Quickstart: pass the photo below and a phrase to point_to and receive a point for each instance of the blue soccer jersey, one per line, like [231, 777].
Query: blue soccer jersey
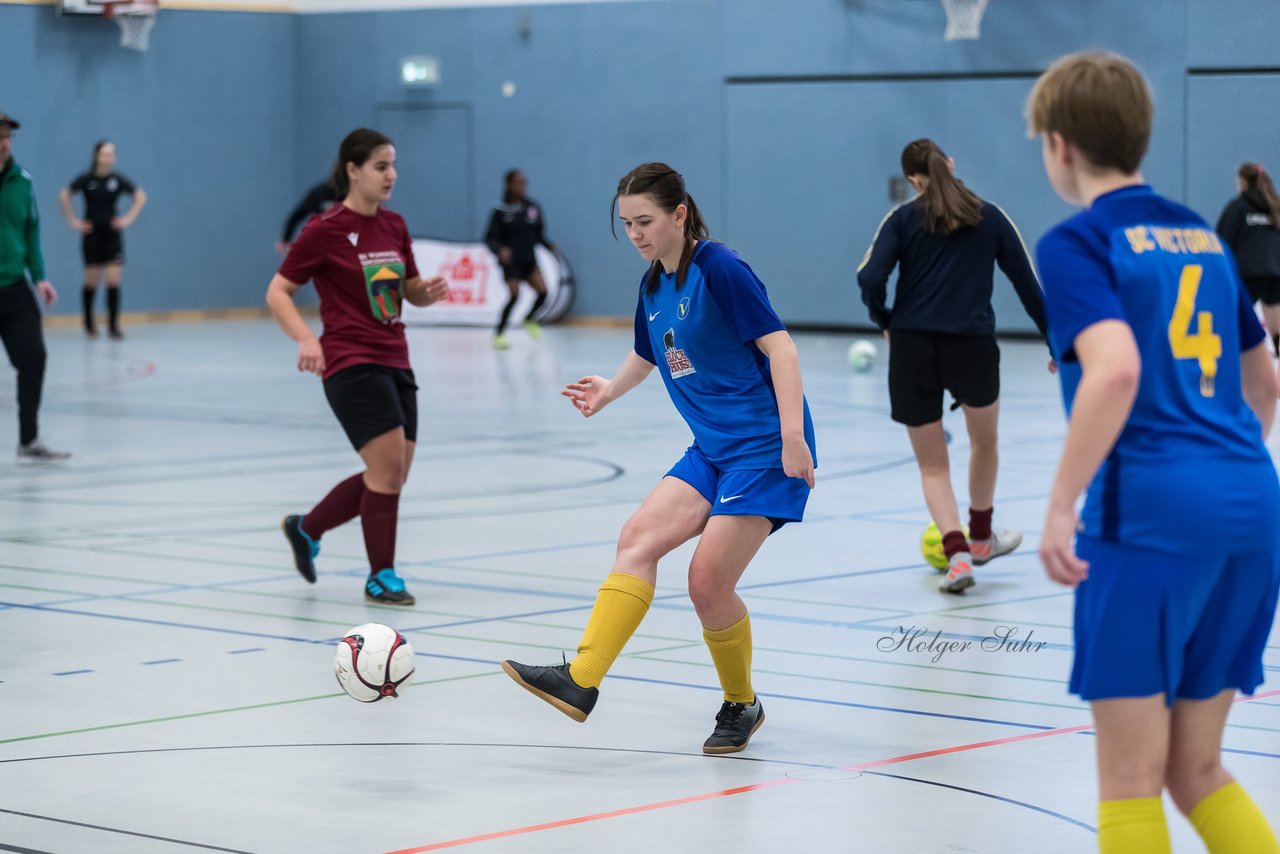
[701, 338]
[1158, 267]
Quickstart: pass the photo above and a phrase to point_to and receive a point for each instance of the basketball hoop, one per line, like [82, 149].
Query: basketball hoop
[964, 19]
[135, 20]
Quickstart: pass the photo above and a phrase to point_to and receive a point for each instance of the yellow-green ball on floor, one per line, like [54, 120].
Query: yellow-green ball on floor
[931, 547]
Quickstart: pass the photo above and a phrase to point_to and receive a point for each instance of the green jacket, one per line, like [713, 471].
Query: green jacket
[19, 227]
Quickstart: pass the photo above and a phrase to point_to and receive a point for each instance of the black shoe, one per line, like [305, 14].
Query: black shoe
[304, 548]
[735, 724]
[556, 686]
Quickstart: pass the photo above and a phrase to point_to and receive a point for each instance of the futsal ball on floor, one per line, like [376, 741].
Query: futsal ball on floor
[373, 661]
[862, 355]
[931, 546]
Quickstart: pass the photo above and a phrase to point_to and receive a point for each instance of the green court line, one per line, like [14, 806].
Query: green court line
[989, 604]
[1008, 620]
[827, 603]
[37, 589]
[18, 568]
[209, 712]
[891, 663]
[754, 670]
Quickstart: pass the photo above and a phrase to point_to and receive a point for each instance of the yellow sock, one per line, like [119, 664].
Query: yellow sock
[1132, 826]
[731, 654]
[1230, 822]
[621, 605]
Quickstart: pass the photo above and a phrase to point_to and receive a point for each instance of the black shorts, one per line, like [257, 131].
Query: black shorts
[370, 400]
[518, 270]
[1263, 289]
[924, 364]
[103, 245]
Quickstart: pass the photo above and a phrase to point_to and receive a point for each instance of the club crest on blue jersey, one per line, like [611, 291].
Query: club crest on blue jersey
[682, 310]
[677, 362]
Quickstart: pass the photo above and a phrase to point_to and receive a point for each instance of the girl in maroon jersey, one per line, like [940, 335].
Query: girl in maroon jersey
[360, 257]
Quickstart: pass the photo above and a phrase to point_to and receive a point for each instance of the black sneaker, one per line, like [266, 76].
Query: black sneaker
[304, 548]
[556, 686]
[735, 724]
[387, 588]
[37, 453]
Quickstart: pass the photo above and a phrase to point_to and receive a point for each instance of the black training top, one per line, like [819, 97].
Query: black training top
[318, 199]
[1255, 242]
[945, 280]
[100, 195]
[519, 227]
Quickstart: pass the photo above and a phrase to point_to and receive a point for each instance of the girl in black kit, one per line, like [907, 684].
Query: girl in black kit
[515, 228]
[945, 243]
[1250, 225]
[103, 245]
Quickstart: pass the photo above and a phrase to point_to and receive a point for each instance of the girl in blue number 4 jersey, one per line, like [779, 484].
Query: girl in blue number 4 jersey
[1169, 392]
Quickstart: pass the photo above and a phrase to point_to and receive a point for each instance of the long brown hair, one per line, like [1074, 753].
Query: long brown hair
[948, 203]
[357, 148]
[97, 147]
[1259, 190]
[507, 196]
[665, 186]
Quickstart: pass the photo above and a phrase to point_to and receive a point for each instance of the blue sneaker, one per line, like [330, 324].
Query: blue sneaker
[304, 548]
[386, 587]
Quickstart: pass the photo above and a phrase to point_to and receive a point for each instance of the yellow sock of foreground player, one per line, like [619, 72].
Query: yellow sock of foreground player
[620, 606]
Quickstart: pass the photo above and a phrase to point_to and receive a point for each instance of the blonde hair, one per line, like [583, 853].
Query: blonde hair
[1100, 104]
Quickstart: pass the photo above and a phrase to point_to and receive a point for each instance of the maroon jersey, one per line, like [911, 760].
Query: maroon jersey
[359, 264]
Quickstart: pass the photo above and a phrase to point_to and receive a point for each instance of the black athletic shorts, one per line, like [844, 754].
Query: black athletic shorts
[103, 245]
[1263, 289]
[370, 400]
[519, 270]
[922, 365]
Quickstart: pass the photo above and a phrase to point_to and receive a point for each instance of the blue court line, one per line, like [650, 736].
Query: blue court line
[163, 661]
[1222, 749]
[994, 797]
[72, 672]
[243, 651]
[620, 677]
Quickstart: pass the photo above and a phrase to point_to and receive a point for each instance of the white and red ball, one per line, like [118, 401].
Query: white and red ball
[373, 661]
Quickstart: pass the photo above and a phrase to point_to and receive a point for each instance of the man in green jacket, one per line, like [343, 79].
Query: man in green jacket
[20, 327]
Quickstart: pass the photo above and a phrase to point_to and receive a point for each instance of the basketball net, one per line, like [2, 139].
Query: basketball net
[964, 19]
[135, 20]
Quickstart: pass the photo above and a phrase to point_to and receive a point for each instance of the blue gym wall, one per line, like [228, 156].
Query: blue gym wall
[786, 119]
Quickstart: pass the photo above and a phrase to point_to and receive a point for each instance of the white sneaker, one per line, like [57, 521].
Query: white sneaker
[959, 577]
[1000, 543]
[36, 453]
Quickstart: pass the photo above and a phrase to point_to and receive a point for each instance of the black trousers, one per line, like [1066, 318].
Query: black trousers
[24, 342]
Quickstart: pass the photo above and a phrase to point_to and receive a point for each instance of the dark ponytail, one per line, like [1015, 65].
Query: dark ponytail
[357, 148]
[665, 186]
[1260, 191]
[948, 203]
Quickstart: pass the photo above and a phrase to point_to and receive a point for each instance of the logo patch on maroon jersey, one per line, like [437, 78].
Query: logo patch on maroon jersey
[384, 281]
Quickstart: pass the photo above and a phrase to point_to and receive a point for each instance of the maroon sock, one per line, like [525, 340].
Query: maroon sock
[980, 524]
[953, 542]
[378, 514]
[340, 506]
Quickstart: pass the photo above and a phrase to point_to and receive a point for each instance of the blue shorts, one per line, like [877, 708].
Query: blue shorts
[751, 492]
[1189, 627]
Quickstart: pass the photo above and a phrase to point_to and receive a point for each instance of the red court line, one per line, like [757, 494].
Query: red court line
[551, 825]
[724, 793]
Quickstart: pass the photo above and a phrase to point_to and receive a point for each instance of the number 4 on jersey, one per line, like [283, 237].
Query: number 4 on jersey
[1204, 346]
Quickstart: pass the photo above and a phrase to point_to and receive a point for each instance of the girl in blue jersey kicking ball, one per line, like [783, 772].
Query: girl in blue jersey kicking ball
[1169, 392]
[704, 319]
